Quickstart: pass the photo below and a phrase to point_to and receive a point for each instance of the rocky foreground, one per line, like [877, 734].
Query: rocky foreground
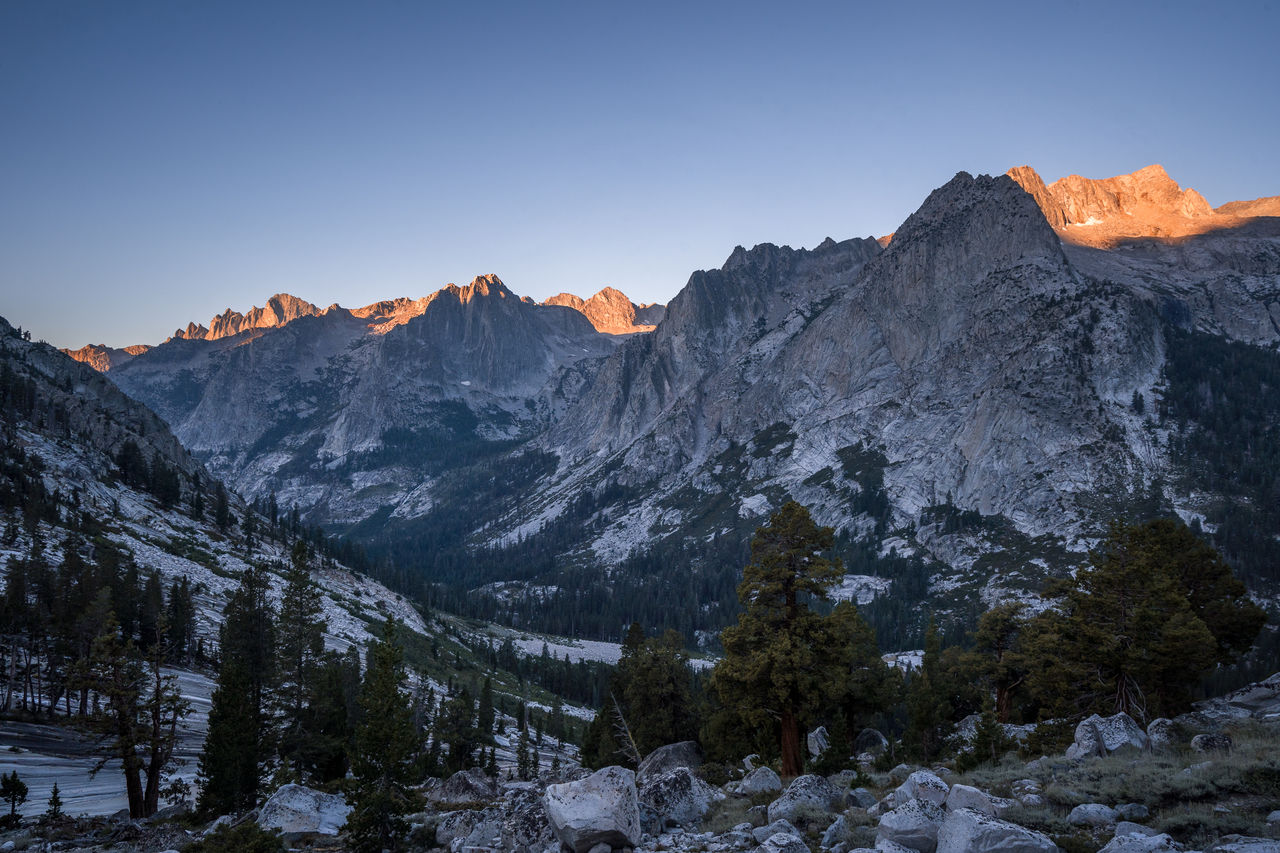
[1208, 780]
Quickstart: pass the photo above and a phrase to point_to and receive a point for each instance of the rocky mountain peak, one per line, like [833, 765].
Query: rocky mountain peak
[1102, 212]
[611, 311]
[102, 357]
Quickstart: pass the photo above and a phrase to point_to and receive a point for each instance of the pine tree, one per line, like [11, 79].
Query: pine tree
[14, 792]
[300, 631]
[54, 811]
[236, 745]
[782, 660]
[485, 712]
[928, 709]
[386, 745]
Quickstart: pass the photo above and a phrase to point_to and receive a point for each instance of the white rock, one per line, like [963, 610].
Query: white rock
[1245, 844]
[922, 785]
[1141, 844]
[669, 757]
[1092, 814]
[805, 795]
[1097, 736]
[784, 842]
[913, 824]
[762, 780]
[969, 797]
[818, 741]
[602, 808]
[678, 797]
[763, 832]
[295, 809]
[970, 831]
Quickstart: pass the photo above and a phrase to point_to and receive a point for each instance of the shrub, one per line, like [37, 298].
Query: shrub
[246, 838]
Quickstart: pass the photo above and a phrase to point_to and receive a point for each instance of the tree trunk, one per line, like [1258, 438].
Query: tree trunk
[792, 765]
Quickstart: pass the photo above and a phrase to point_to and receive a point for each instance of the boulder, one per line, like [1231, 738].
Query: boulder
[524, 820]
[913, 825]
[969, 831]
[899, 774]
[1220, 742]
[1245, 844]
[457, 825]
[299, 811]
[669, 757]
[758, 815]
[870, 740]
[842, 780]
[922, 785]
[603, 808]
[1162, 733]
[818, 741]
[1092, 815]
[762, 780]
[1128, 827]
[804, 799]
[1097, 736]
[1132, 811]
[1142, 844]
[838, 832]
[969, 797]
[1031, 801]
[761, 833]
[465, 787]
[678, 798]
[862, 798]
[784, 842]
[1273, 819]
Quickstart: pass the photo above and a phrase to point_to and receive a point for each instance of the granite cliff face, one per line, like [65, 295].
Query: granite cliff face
[332, 410]
[981, 393]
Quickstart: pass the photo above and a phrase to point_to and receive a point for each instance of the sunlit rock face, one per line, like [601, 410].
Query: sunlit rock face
[102, 358]
[610, 311]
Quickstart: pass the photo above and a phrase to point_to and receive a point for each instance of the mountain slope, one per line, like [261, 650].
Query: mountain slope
[343, 411]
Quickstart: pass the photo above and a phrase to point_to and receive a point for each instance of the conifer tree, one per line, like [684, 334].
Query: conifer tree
[386, 745]
[782, 660]
[485, 712]
[237, 744]
[928, 709]
[14, 792]
[54, 811]
[300, 629]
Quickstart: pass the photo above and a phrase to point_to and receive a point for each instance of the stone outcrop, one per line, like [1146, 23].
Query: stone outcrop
[677, 797]
[762, 780]
[805, 798]
[913, 824]
[1097, 736]
[603, 808]
[298, 811]
[968, 831]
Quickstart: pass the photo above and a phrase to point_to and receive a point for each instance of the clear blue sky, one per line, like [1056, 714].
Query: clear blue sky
[160, 161]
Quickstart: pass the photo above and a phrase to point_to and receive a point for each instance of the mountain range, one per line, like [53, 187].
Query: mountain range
[969, 402]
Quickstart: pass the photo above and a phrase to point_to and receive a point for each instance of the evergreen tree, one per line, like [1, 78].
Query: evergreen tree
[229, 763]
[783, 661]
[300, 631]
[54, 811]
[928, 710]
[456, 729]
[485, 712]
[237, 745]
[14, 792]
[1153, 612]
[386, 745]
